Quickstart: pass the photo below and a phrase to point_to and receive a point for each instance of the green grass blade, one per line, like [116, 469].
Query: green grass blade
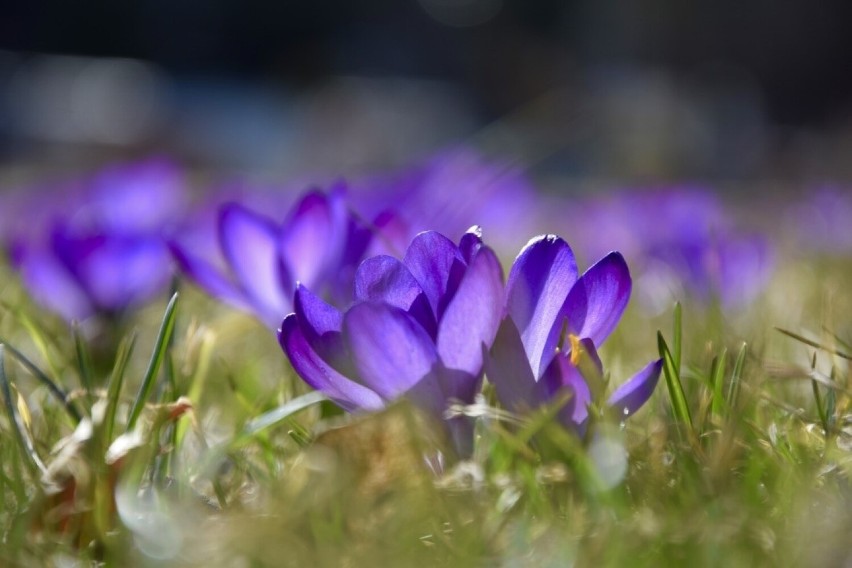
[283, 412]
[84, 363]
[678, 334]
[116, 381]
[831, 403]
[157, 356]
[54, 389]
[41, 341]
[736, 377]
[20, 431]
[818, 398]
[672, 375]
[837, 338]
[820, 408]
[717, 380]
[815, 344]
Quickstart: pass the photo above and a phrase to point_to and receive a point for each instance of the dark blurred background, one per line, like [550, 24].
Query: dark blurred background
[646, 90]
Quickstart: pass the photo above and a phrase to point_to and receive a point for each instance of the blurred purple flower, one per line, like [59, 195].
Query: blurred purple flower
[319, 245]
[681, 239]
[547, 302]
[97, 246]
[417, 327]
[822, 220]
[452, 190]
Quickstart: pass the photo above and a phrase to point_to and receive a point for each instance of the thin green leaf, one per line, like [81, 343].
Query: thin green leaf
[831, 403]
[84, 362]
[717, 380]
[672, 375]
[837, 338]
[820, 408]
[116, 381]
[281, 413]
[816, 344]
[678, 334]
[196, 380]
[41, 377]
[18, 427]
[157, 356]
[817, 398]
[545, 415]
[38, 336]
[736, 377]
[825, 381]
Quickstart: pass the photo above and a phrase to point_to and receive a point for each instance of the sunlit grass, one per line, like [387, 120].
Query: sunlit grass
[742, 457]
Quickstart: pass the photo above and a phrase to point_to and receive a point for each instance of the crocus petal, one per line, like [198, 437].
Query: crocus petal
[473, 315]
[115, 271]
[590, 353]
[538, 284]
[598, 299]
[560, 376]
[139, 196]
[250, 245]
[322, 326]
[124, 272]
[470, 243]
[310, 238]
[629, 397]
[437, 391]
[386, 279]
[390, 350]
[50, 282]
[348, 394]
[341, 277]
[436, 263]
[391, 235]
[205, 275]
[509, 371]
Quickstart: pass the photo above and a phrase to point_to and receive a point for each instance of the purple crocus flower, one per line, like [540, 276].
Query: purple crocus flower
[318, 245]
[547, 303]
[417, 327]
[103, 250]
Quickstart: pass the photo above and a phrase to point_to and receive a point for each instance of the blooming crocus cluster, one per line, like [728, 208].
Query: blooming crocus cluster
[97, 246]
[319, 245]
[683, 242]
[427, 326]
[417, 327]
[555, 319]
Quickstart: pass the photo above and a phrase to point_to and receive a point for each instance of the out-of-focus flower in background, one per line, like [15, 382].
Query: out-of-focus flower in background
[418, 328]
[96, 245]
[456, 188]
[822, 221]
[319, 244]
[681, 241]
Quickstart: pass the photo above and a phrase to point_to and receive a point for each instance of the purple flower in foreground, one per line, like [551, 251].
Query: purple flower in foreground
[547, 302]
[318, 245]
[418, 327]
[100, 251]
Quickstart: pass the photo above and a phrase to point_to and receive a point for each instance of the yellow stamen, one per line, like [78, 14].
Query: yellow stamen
[576, 348]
